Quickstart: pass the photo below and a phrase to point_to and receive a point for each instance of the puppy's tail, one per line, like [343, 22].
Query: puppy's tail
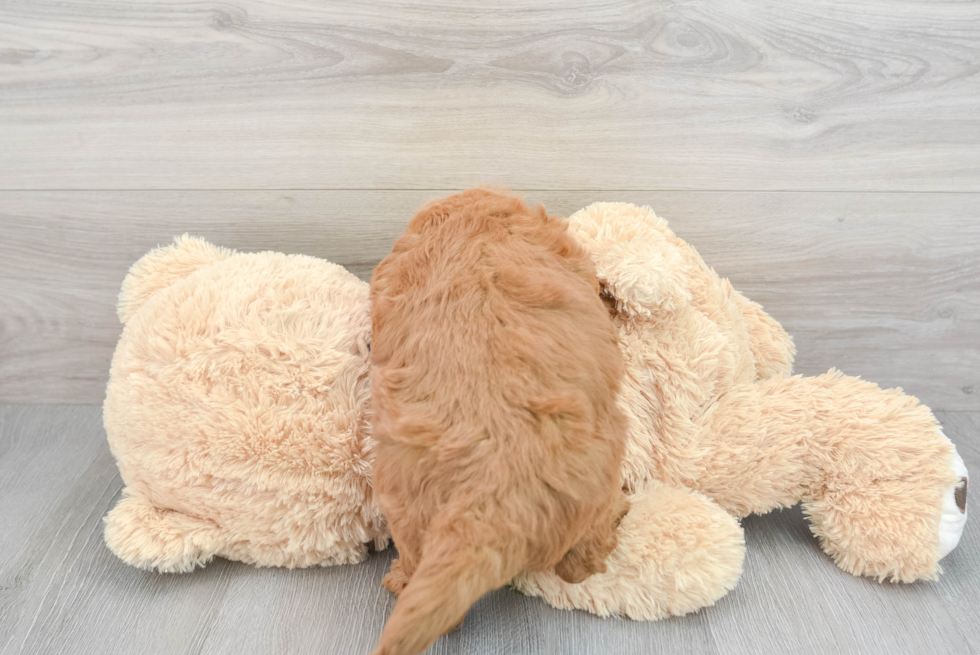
[461, 561]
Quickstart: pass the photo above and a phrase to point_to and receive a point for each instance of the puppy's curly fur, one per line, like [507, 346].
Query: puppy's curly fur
[495, 377]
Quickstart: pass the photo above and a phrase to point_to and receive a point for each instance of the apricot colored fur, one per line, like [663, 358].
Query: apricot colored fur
[496, 369]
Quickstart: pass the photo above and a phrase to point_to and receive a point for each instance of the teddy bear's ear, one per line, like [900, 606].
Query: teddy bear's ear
[636, 259]
[162, 267]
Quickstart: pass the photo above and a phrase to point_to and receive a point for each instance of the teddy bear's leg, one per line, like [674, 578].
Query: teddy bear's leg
[677, 552]
[871, 466]
[149, 537]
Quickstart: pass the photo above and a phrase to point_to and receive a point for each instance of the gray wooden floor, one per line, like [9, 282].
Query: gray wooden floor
[823, 154]
[62, 591]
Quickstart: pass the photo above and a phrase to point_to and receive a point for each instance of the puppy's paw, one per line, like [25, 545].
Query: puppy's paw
[396, 579]
[580, 563]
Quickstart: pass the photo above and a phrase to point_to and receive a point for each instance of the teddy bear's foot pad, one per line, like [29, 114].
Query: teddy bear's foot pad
[954, 508]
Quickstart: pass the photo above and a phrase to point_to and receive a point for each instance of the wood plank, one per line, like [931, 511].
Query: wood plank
[563, 631]
[717, 94]
[886, 286]
[46, 456]
[62, 591]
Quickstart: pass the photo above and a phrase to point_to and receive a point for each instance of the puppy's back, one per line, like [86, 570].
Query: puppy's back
[495, 385]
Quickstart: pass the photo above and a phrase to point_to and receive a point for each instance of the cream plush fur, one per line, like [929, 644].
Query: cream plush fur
[713, 410]
[238, 412]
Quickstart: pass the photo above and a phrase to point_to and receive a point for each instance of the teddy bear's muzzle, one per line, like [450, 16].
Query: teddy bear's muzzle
[954, 508]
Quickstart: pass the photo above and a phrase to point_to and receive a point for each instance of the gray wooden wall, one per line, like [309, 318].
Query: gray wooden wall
[823, 155]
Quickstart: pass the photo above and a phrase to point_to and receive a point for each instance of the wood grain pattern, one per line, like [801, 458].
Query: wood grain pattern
[886, 286]
[764, 132]
[62, 591]
[723, 94]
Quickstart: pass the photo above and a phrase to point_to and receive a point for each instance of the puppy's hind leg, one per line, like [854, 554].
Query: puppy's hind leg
[408, 539]
[397, 578]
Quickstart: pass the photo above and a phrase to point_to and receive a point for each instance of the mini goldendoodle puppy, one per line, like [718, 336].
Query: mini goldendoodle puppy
[496, 371]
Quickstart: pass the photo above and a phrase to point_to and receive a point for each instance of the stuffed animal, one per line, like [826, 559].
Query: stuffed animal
[714, 414]
[238, 411]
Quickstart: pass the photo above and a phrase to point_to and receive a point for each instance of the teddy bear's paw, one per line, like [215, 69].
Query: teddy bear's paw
[146, 536]
[954, 508]
[678, 552]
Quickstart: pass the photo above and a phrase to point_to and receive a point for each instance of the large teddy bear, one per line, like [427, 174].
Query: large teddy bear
[238, 410]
